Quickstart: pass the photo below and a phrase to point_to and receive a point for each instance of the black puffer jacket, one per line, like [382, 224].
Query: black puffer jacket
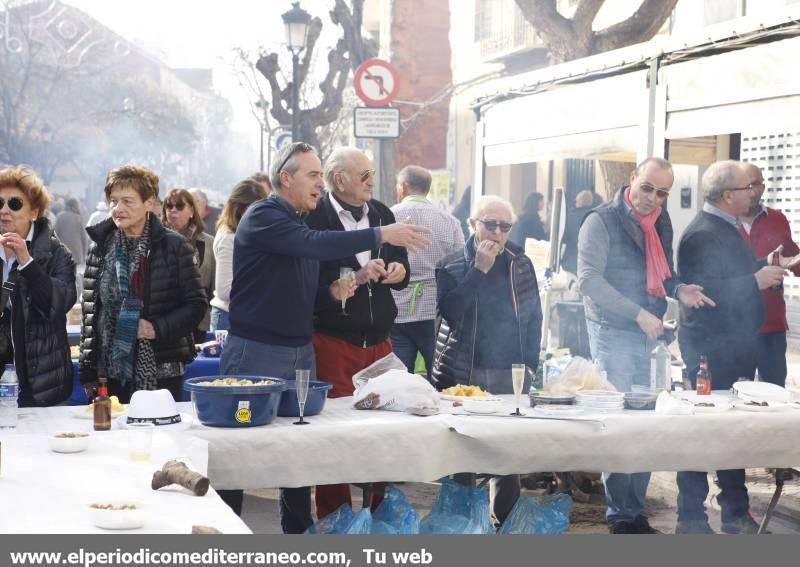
[174, 299]
[45, 292]
[456, 331]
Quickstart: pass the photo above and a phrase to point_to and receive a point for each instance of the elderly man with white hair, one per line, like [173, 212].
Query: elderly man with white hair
[713, 254]
[490, 318]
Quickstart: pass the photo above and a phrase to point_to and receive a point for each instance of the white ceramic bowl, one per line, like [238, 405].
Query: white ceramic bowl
[68, 441]
[482, 405]
[117, 517]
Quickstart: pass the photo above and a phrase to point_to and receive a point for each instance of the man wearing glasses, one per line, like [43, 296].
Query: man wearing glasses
[625, 273]
[489, 318]
[713, 253]
[276, 286]
[765, 229]
[350, 338]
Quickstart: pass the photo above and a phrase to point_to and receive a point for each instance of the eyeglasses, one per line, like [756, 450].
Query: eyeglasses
[180, 206]
[366, 174]
[14, 203]
[647, 188]
[748, 188]
[301, 147]
[492, 226]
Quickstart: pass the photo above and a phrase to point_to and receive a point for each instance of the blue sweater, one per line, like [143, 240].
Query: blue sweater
[276, 271]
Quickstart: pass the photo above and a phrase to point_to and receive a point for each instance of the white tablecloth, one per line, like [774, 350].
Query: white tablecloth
[46, 492]
[347, 445]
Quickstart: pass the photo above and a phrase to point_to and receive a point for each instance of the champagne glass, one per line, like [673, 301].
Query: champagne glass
[517, 381]
[345, 275]
[301, 378]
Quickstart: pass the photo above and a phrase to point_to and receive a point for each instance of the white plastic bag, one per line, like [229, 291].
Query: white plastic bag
[377, 368]
[397, 390]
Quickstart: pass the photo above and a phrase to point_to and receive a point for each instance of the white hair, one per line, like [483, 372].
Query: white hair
[338, 162]
[486, 201]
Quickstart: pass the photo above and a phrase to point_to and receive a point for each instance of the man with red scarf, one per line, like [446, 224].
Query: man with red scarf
[625, 273]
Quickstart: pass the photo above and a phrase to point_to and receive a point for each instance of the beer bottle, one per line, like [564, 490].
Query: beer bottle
[102, 407]
[703, 380]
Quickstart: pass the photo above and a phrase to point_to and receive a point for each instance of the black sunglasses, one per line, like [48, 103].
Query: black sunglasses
[179, 206]
[298, 147]
[491, 225]
[14, 203]
[647, 188]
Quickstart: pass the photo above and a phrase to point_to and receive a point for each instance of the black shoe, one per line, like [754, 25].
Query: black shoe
[623, 528]
[741, 525]
[694, 527]
[643, 526]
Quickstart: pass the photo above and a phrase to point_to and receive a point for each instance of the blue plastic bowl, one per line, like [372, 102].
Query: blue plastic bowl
[235, 406]
[315, 401]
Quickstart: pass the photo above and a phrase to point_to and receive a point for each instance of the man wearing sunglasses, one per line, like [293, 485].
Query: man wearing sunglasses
[490, 317]
[275, 286]
[625, 273]
[713, 253]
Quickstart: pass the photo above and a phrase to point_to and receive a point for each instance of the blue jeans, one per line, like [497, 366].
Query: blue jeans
[410, 338]
[625, 357]
[248, 357]
[219, 320]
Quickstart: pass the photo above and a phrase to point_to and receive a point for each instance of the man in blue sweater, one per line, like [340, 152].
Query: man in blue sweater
[275, 286]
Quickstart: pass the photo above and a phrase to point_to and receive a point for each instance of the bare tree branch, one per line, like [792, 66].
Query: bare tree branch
[585, 13]
[641, 26]
[572, 38]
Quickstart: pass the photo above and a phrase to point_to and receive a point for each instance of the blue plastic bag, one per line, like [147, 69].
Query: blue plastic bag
[396, 513]
[459, 509]
[343, 521]
[544, 515]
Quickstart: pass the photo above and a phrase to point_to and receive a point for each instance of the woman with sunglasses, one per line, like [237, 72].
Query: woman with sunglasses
[142, 296]
[38, 290]
[180, 213]
[243, 195]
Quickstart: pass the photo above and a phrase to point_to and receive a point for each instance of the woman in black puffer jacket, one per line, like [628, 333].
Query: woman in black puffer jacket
[142, 295]
[39, 289]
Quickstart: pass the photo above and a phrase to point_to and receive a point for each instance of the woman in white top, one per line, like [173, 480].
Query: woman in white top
[243, 195]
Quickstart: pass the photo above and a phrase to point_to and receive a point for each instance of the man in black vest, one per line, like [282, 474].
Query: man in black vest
[713, 253]
[625, 274]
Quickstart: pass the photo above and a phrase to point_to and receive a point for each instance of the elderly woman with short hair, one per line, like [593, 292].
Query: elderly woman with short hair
[142, 296]
[38, 290]
[181, 213]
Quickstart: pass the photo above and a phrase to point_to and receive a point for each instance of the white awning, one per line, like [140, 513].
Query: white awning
[574, 121]
[754, 88]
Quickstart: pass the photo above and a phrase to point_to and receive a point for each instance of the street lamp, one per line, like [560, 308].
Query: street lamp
[263, 106]
[296, 22]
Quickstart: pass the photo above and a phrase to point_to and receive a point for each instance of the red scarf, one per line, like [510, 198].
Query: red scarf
[657, 267]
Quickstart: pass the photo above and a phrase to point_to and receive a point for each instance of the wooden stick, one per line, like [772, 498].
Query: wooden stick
[176, 472]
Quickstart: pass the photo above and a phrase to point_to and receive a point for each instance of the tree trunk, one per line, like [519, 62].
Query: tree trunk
[572, 38]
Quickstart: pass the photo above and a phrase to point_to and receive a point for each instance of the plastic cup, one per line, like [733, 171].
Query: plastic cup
[221, 337]
[140, 441]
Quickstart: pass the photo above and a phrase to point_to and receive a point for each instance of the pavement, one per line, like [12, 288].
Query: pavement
[260, 510]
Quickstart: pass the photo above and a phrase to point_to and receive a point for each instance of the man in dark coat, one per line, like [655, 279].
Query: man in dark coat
[490, 318]
[713, 254]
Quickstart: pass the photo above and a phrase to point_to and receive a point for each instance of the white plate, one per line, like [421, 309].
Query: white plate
[721, 402]
[773, 406]
[463, 398]
[81, 413]
[553, 410]
[762, 391]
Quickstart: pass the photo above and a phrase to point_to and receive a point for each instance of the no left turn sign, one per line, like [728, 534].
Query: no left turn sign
[376, 82]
